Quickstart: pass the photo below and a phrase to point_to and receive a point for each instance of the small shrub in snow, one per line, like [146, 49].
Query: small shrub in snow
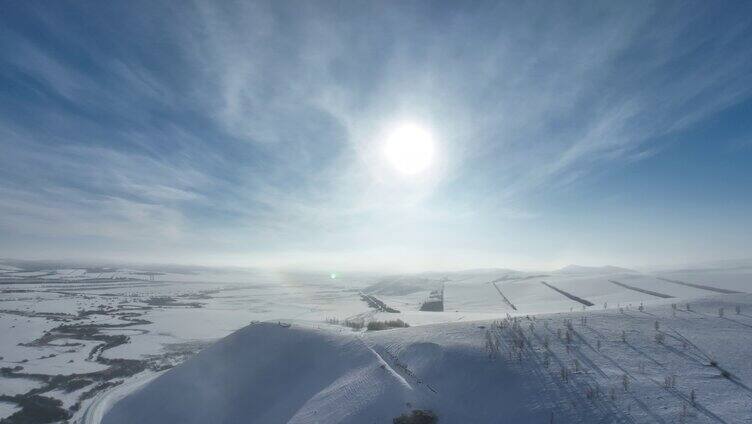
[669, 381]
[417, 416]
[592, 392]
[492, 345]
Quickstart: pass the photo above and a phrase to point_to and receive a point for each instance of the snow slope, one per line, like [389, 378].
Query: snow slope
[266, 373]
[313, 372]
[638, 365]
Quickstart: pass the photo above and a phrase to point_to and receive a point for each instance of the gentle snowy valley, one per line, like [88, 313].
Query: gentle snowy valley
[579, 344]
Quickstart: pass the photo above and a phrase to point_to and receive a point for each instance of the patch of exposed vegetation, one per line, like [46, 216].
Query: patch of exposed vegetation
[169, 301]
[417, 416]
[386, 325]
[35, 409]
[354, 324]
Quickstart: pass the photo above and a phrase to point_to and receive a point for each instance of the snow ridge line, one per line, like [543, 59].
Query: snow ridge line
[397, 367]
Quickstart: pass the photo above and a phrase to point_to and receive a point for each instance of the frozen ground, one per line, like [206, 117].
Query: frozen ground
[77, 340]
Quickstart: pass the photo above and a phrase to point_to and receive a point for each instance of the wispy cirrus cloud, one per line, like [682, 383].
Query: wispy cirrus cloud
[254, 126]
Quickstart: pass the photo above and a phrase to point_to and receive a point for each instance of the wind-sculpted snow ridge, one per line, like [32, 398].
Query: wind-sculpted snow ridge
[268, 373]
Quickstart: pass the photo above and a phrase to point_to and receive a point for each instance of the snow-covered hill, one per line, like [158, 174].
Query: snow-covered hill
[479, 360]
[683, 363]
[267, 373]
[593, 270]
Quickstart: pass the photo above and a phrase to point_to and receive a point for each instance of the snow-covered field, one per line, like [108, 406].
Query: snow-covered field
[589, 345]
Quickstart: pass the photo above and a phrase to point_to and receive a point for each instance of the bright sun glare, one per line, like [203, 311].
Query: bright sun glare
[409, 149]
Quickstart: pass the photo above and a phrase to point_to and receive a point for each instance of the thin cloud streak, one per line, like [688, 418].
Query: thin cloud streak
[252, 128]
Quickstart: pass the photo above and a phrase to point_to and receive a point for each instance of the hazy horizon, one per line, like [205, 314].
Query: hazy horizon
[354, 271]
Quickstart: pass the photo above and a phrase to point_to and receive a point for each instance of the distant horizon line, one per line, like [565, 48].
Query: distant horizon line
[178, 267]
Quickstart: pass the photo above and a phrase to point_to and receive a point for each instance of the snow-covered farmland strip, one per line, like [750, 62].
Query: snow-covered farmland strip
[569, 295]
[650, 292]
[699, 286]
[508, 302]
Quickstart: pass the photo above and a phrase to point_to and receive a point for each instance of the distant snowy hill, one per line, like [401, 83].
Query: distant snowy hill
[593, 270]
[411, 283]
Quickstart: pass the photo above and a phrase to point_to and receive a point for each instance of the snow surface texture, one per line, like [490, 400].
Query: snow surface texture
[466, 363]
[616, 371]
[267, 373]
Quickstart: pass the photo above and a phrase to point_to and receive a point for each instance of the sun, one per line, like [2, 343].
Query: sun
[409, 149]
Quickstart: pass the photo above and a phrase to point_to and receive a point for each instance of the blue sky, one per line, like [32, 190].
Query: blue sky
[250, 133]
